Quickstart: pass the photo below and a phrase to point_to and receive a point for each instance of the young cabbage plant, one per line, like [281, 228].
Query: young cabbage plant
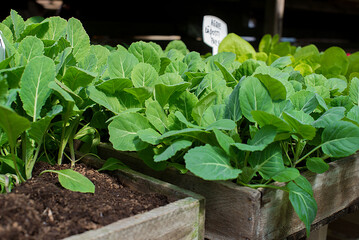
[47, 66]
[255, 122]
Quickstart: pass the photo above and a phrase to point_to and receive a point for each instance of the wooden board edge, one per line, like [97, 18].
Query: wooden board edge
[174, 221]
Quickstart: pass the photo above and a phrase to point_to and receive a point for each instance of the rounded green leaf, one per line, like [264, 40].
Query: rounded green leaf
[340, 139]
[210, 163]
[254, 96]
[288, 174]
[123, 131]
[172, 149]
[317, 165]
[145, 53]
[144, 75]
[303, 203]
[34, 90]
[74, 181]
[235, 44]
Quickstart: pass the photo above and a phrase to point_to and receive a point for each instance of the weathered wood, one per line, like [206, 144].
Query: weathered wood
[333, 190]
[183, 218]
[234, 212]
[173, 221]
[320, 234]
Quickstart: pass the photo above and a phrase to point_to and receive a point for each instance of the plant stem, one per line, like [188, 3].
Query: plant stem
[263, 186]
[306, 155]
[12, 150]
[72, 152]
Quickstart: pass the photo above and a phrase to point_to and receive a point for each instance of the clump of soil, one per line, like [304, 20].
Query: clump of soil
[41, 209]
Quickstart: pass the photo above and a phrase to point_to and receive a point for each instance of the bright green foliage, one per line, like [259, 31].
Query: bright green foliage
[250, 116]
[73, 181]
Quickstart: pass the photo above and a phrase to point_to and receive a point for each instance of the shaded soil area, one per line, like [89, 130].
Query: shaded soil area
[41, 209]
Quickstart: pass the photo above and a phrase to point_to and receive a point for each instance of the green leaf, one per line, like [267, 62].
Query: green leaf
[172, 149]
[73, 180]
[146, 53]
[222, 124]
[235, 44]
[201, 106]
[305, 131]
[141, 93]
[233, 109]
[274, 86]
[164, 92]
[317, 165]
[156, 116]
[264, 119]
[112, 164]
[39, 128]
[261, 140]
[31, 47]
[334, 61]
[149, 135]
[12, 124]
[34, 90]
[281, 62]
[190, 132]
[177, 44]
[56, 29]
[354, 90]
[224, 140]
[226, 74]
[123, 131]
[115, 85]
[340, 139]
[184, 120]
[304, 101]
[144, 75]
[288, 174]
[78, 39]
[267, 162]
[110, 102]
[353, 114]
[183, 102]
[254, 96]
[303, 203]
[76, 77]
[210, 163]
[17, 23]
[332, 115]
[120, 64]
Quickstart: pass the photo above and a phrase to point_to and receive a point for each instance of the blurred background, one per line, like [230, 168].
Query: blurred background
[324, 23]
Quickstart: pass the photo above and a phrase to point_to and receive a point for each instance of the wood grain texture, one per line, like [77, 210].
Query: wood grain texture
[334, 190]
[183, 218]
[235, 212]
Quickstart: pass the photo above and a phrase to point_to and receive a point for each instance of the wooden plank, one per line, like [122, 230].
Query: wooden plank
[231, 211]
[234, 212]
[320, 234]
[173, 221]
[183, 218]
[334, 190]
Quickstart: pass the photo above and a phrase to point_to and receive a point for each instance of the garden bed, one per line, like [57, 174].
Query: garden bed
[236, 212]
[41, 209]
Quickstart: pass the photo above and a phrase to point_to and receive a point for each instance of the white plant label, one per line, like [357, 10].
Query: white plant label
[214, 30]
[2, 48]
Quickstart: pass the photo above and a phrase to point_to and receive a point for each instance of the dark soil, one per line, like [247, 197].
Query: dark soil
[41, 209]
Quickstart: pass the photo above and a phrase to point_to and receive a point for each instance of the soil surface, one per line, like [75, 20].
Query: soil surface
[41, 209]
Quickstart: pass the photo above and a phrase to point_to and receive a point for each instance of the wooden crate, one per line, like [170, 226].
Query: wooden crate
[235, 212]
[183, 218]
